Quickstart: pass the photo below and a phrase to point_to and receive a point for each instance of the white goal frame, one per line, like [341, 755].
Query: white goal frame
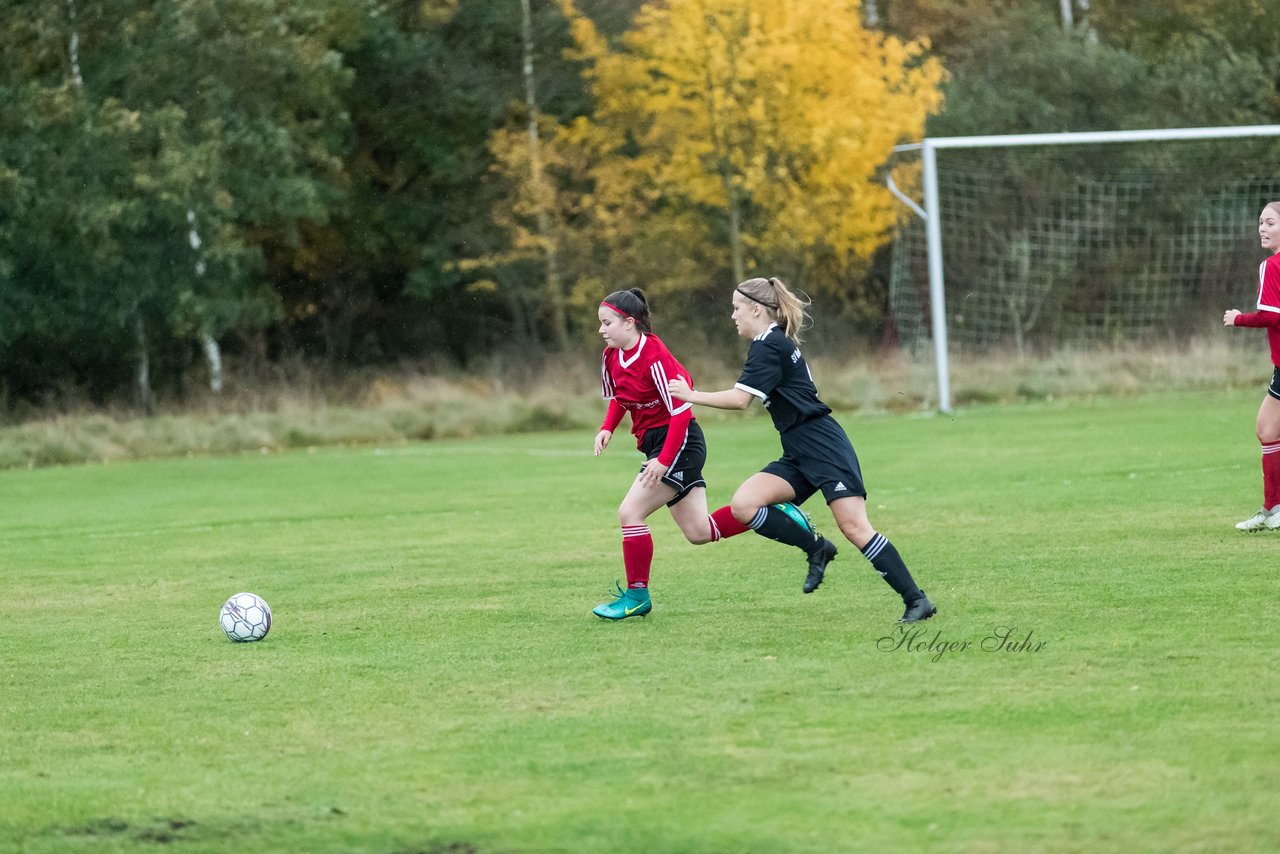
[932, 215]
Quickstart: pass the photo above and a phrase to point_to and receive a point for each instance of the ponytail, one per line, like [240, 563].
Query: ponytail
[786, 306]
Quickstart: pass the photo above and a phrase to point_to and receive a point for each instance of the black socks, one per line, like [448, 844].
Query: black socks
[886, 560]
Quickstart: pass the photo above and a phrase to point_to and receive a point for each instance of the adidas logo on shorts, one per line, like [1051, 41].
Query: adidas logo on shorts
[840, 487]
[678, 475]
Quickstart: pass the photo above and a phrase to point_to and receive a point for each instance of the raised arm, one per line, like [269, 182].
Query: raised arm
[730, 398]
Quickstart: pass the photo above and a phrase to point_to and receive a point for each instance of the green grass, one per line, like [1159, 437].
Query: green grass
[434, 681]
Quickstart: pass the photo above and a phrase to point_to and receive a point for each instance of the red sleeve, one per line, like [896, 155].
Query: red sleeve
[613, 416]
[1258, 318]
[677, 430]
[667, 368]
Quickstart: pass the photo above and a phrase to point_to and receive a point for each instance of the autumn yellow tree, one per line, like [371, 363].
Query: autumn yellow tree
[759, 126]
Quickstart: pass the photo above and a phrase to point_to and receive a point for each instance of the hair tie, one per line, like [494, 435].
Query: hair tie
[753, 299]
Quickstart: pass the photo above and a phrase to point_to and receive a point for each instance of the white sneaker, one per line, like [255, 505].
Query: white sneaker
[1264, 519]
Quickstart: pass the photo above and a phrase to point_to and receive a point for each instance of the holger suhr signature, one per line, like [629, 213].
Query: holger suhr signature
[931, 642]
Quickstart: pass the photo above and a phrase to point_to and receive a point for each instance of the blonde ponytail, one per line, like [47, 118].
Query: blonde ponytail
[786, 306]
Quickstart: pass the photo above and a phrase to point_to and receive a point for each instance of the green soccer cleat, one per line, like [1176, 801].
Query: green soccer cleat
[798, 516]
[632, 602]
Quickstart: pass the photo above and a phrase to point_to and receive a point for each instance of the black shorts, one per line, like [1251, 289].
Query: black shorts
[685, 472]
[1274, 388]
[817, 455]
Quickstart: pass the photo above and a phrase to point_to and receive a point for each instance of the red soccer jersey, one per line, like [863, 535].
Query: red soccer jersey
[636, 381]
[1268, 313]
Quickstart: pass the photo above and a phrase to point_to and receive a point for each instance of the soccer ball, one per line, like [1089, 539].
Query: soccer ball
[245, 617]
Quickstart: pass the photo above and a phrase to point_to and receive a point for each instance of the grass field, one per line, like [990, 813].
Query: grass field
[434, 681]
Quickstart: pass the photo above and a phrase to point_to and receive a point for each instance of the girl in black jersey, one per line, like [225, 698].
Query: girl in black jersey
[816, 452]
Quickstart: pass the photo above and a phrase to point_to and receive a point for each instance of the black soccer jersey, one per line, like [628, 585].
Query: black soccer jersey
[777, 373]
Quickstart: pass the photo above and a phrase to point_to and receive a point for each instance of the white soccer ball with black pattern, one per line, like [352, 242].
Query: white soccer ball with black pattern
[245, 617]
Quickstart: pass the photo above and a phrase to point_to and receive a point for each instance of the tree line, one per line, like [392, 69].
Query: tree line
[361, 184]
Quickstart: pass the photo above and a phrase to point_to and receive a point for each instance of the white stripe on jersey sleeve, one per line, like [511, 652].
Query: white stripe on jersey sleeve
[1262, 284]
[751, 391]
[606, 382]
[660, 380]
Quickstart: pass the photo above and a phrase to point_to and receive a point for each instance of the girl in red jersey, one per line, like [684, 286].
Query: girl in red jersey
[634, 372]
[1268, 423]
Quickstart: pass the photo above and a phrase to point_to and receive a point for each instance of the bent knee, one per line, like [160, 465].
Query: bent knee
[743, 510]
[858, 533]
[630, 516]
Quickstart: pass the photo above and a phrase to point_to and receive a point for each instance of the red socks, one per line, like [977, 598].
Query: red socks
[723, 525]
[1271, 475]
[637, 544]
[637, 554]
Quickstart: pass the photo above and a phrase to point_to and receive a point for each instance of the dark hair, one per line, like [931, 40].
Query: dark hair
[786, 306]
[631, 303]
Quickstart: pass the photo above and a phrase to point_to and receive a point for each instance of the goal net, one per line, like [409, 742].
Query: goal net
[1085, 245]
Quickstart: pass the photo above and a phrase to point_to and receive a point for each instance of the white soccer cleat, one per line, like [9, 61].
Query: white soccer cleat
[1263, 520]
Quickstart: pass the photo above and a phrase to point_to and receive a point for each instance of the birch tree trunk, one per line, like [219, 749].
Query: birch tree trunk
[212, 355]
[212, 352]
[73, 48]
[542, 192]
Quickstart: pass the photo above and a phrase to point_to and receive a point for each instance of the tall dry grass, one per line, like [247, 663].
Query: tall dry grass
[408, 405]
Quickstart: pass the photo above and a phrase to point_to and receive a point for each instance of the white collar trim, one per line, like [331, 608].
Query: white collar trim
[635, 354]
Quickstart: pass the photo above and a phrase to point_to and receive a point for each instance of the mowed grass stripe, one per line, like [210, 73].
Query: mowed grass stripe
[434, 676]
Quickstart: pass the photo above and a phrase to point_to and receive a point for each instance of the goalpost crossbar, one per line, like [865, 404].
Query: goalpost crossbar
[931, 213]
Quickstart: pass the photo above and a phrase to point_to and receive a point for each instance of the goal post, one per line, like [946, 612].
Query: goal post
[1051, 249]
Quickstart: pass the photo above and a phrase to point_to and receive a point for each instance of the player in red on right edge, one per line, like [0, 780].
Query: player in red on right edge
[1267, 316]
